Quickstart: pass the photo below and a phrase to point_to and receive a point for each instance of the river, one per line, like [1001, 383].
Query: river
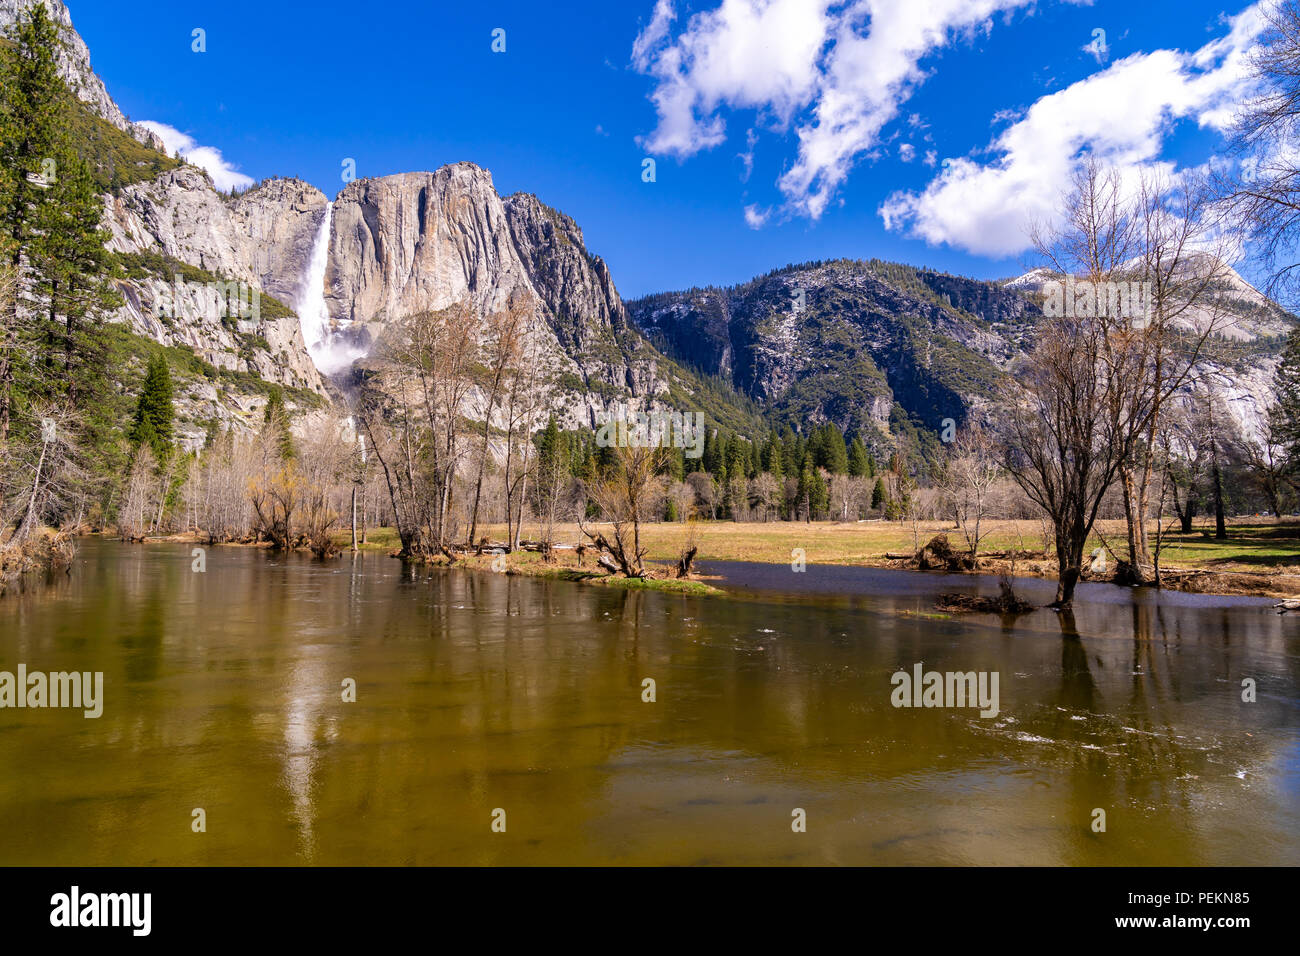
[486, 698]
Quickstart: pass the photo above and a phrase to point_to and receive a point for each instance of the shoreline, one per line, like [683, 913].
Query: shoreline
[1280, 582]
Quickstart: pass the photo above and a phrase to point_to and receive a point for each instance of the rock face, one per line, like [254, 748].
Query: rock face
[277, 224]
[874, 347]
[74, 67]
[262, 239]
[417, 242]
[893, 351]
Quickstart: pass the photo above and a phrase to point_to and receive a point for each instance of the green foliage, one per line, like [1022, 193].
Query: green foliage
[859, 460]
[275, 419]
[115, 158]
[52, 350]
[154, 413]
[1285, 415]
[879, 495]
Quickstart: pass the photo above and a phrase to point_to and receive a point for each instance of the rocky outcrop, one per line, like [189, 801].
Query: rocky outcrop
[277, 224]
[416, 242]
[263, 239]
[872, 347]
[892, 351]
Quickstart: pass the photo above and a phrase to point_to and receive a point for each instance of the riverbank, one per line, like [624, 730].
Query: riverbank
[1259, 557]
[44, 552]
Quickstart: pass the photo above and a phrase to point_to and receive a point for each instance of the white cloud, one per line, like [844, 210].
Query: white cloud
[747, 157]
[1120, 115]
[760, 54]
[756, 218]
[907, 152]
[850, 65]
[225, 176]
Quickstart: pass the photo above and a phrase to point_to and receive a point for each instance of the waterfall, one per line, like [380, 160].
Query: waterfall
[330, 350]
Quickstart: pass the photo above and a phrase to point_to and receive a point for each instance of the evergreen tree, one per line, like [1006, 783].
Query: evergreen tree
[52, 347]
[1285, 415]
[859, 462]
[276, 419]
[737, 458]
[551, 456]
[713, 452]
[675, 464]
[834, 452]
[774, 458]
[819, 495]
[154, 413]
[879, 495]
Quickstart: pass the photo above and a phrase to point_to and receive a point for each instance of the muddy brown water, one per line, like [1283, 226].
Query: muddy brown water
[478, 693]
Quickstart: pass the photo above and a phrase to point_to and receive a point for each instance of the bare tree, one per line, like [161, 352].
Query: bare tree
[967, 482]
[626, 494]
[1263, 190]
[503, 350]
[1068, 421]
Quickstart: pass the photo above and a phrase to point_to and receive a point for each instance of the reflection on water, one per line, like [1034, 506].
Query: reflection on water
[474, 692]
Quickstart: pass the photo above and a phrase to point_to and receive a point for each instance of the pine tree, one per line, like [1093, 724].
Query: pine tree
[774, 458]
[52, 348]
[675, 464]
[1285, 415]
[154, 413]
[879, 495]
[859, 462]
[276, 418]
[836, 455]
[713, 452]
[30, 139]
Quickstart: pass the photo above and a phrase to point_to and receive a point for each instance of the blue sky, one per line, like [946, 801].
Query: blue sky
[843, 103]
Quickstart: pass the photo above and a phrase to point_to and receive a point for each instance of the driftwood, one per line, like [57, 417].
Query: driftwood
[685, 562]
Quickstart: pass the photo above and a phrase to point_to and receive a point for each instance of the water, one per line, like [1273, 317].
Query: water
[330, 349]
[477, 692]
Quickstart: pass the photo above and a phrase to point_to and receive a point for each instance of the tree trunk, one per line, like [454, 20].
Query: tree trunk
[1220, 527]
[354, 517]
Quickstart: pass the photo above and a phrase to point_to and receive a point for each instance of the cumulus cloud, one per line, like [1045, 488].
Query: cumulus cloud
[225, 176]
[844, 68]
[1120, 115]
[756, 218]
[761, 54]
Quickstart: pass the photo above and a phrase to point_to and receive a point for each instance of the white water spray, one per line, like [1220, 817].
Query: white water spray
[330, 351]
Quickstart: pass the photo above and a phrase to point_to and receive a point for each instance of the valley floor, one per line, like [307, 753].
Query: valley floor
[1260, 556]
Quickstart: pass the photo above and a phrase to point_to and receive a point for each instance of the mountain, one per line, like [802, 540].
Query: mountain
[882, 349]
[891, 351]
[1240, 356]
[404, 244]
[877, 348]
